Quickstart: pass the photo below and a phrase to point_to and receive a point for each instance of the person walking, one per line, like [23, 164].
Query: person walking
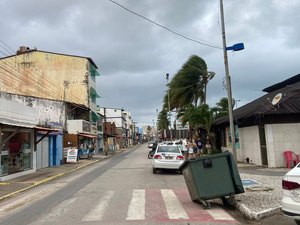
[200, 147]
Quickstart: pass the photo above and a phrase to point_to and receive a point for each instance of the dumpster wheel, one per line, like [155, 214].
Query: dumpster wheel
[229, 201]
[205, 204]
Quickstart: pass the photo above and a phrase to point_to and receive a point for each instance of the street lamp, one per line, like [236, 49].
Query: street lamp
[169, 113]
[236, 47]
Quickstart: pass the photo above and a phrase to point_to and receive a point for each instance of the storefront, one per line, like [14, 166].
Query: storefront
[17, 150]
[17, 125]
[87, 145]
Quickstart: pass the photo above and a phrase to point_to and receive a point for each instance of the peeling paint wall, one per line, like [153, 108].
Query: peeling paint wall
[47, 75]
[49, 113]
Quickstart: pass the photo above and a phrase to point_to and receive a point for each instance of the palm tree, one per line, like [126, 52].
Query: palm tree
[187, 86]
[209, 75]
[201, 116]
[221, 108]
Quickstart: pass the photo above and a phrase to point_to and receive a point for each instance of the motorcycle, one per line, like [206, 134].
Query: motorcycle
[151, 154]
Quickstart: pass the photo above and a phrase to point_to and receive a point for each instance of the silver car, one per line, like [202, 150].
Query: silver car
[291, 194]
[167, 157]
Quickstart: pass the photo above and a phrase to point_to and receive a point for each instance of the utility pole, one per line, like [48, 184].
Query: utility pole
[169, 113]
[228, 84]
[105, 136]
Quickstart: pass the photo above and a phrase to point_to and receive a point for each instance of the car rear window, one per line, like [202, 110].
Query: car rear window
[173, 149]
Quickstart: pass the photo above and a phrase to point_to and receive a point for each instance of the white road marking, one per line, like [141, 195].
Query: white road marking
[97, 213]
[173, 206]
[136, 209]
[219, 214]
[59, 210]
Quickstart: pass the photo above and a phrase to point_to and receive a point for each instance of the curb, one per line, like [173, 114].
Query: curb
[259, 215]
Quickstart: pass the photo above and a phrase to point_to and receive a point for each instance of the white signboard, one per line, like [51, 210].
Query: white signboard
[179, 125]
[72, 155]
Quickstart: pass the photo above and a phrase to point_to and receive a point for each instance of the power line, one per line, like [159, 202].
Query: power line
[164, 27]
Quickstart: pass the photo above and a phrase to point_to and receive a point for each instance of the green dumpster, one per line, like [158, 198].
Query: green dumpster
[213, 176]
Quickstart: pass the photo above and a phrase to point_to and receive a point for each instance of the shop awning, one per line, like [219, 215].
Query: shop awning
[95, 116]
[93, 93]
[87, 135]
[46, 129]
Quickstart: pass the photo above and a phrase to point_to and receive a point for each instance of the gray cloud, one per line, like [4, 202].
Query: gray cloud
[133, 55]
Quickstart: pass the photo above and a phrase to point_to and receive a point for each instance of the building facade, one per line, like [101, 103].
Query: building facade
[61, 91]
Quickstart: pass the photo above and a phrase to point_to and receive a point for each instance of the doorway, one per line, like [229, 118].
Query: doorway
[263, 145]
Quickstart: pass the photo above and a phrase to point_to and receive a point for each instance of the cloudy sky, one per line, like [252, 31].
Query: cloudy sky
[134, 54]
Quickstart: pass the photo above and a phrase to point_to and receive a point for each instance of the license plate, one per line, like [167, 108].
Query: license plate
[169, 157]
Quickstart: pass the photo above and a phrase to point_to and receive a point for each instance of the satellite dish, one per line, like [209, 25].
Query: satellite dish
[277, 99]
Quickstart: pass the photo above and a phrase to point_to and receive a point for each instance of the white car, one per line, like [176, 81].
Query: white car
[291, 194]
[167, 157]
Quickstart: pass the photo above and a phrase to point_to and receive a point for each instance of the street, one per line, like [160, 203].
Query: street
[119, 190]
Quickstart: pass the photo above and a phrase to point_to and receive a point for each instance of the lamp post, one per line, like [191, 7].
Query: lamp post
[169, 108]
[236, 47]
[156, 133]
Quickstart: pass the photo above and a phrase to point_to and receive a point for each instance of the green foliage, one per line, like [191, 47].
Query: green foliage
[221, 108]
[188, 85]
[163, 121]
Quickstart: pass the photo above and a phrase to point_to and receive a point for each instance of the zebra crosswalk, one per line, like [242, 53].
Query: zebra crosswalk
[144, 205]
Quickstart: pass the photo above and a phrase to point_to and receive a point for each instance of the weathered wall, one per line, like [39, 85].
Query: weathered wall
[47, 75]
[49, 113]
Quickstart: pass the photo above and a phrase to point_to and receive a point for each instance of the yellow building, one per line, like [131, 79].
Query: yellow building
[61, 89]
[49, 75]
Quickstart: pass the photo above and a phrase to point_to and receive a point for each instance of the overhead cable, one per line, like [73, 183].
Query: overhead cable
[166, 28]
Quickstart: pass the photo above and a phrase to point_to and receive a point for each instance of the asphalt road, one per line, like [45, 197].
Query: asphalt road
[120, 190]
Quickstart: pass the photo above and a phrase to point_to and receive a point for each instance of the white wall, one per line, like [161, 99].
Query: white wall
[281, 137]
[249, 145]
[113, 115]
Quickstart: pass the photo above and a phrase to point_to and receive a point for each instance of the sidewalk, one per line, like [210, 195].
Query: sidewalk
[262, 195]
[263, 191]
[20, 184]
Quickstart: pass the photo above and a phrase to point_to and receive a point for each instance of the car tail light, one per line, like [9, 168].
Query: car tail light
[289, 185]
[180, 157]
[157, 157]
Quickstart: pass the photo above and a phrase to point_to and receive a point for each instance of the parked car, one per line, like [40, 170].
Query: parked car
[167, 157]
[291, 194]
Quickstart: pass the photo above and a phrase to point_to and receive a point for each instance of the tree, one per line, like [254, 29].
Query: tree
[189, 84]
[163, 121]
[210, 75]
[221, 108]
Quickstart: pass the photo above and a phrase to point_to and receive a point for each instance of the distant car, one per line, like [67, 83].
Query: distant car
[167, 157]
[291, 194]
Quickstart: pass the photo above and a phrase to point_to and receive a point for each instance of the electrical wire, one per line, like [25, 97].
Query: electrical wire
[164, 27]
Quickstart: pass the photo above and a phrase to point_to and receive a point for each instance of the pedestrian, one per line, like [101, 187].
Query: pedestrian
[195, 148]
[190, 149]
[200, 147]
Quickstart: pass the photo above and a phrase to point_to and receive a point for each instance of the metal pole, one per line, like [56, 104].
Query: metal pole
[228, 84]
[169, 113]
[105, 136]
